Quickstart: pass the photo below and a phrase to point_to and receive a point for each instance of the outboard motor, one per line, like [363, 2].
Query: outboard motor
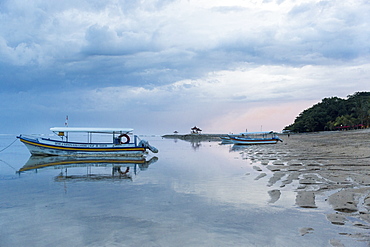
[145, 144]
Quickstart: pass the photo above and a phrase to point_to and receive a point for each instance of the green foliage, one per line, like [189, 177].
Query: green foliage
[332, 113]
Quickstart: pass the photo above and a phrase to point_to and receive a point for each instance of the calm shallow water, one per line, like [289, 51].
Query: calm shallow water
[195, 194]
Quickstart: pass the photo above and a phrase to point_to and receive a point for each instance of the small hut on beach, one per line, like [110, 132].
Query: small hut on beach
[195, 130]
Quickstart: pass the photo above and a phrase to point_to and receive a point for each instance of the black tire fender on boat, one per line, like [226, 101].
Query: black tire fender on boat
[127, 138]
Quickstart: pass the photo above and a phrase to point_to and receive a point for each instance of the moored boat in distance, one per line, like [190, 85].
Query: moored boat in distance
[226, 140]
[123, 143]
[250, 138]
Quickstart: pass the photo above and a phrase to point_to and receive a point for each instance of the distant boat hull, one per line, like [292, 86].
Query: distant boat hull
[247, 141]
[43, 146]
[254, 138]
[226, 140]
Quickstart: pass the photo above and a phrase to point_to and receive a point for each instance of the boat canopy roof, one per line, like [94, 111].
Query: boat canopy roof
[257, 133]
[92, 130]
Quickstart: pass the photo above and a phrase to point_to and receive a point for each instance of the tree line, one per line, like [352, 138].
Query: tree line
[335, 114]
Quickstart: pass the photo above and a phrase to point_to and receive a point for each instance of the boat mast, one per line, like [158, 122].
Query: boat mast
[66, 124]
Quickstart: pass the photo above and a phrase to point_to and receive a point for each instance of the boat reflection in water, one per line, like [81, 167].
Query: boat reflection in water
[122, 167]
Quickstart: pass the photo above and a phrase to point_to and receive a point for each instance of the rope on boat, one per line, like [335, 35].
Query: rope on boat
[9, 145]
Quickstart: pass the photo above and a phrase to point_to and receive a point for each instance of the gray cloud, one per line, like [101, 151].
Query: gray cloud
[128, 41]
[170, 51]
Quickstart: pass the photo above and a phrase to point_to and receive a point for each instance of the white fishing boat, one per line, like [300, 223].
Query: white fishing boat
[250, 138]
[123, 143]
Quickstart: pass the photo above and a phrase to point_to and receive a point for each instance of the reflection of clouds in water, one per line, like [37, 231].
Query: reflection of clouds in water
[234, 191]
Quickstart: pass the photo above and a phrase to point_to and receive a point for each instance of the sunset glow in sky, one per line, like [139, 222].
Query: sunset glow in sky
[160, 66]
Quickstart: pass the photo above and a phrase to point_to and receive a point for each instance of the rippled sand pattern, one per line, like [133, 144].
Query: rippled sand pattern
[332, 165]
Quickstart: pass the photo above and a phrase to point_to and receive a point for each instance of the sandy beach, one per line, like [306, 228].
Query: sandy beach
[331, 147]
[332, 167]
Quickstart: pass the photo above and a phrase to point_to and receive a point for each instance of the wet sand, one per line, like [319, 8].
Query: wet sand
[331, 148]
[334, 166]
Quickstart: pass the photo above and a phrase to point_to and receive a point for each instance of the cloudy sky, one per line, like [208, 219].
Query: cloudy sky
[159, 66]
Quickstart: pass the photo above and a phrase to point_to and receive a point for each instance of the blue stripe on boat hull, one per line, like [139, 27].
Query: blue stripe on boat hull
[37, 148]
[251, 141]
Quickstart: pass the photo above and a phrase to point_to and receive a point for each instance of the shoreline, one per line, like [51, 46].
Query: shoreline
[331, 165]
[195, 137]
[350, 147]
